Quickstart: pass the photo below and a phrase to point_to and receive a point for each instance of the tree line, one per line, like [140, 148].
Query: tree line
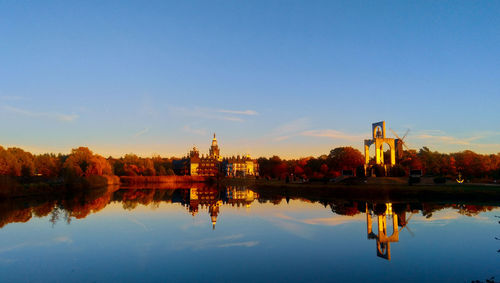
[82, 162]
[433, 163]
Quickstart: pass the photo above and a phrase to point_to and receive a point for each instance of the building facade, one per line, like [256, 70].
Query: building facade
[213, 164]
[208, 165]
[240, 166]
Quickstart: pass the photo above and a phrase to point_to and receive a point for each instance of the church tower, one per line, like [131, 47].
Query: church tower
[214, 149]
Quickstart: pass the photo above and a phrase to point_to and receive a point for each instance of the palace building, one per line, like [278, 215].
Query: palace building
[212, 164]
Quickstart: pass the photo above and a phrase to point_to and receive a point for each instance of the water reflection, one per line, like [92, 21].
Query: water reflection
[384, 220]
[382, 212]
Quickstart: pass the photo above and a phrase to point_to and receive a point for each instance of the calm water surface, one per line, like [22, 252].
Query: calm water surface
[236, 234]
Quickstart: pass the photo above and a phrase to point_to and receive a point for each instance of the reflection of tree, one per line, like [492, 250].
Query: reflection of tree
[21, 215]
[473, 210]
[80, 205]
[44, 209]
[54, 216]
[489, 280]
[345, 208]
[131, 198]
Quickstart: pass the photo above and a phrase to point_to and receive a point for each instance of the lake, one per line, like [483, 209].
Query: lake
[235, 234]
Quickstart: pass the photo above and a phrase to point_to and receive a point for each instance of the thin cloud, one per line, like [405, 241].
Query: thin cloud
[208, 242]
[332, 134]
[205, 113]
[432, 132]
[49, 115]
[290, 129]
[237, 112]
[63, 239]
[293, 126]
[247, 244]
[142, 132]
[291, 226]
[49, 242]
[226, 118]
[200, 132]
[11, 98]
[133, 220]
[281, 138]
[440, 137]
[443, 139]
[325, 221]
[329, 221]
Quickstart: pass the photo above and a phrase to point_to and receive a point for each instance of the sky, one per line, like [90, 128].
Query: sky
[287, 78]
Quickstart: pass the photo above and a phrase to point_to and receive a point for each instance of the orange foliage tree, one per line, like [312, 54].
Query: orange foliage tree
[82, 162]
[345, 158]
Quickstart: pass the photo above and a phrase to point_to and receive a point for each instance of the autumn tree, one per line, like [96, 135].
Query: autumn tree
[470, 163]
[432, 161]
[133, 165]
[345, 158]
[162, 166]
[6, 159]
[82, 162]
[411, 160]
[16, 162]
[48, 165]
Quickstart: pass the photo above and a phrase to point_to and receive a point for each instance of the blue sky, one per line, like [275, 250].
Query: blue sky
[293, 78]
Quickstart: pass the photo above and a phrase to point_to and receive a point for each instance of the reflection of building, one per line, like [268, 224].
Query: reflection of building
[214, 212]
[193, 201]
[209, 165]
[205, 197]
[383, 240]
[240, 196]
[212, 198]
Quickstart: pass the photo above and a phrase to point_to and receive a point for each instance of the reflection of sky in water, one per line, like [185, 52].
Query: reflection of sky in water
[285, 242]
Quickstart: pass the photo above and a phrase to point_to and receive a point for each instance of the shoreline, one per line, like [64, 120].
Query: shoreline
[386, 191]
[11, 187]
[366, 188]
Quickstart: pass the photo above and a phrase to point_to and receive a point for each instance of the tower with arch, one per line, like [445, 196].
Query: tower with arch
[379, 139]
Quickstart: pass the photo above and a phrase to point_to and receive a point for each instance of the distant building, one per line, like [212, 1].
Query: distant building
[240, 166]
[212, 164]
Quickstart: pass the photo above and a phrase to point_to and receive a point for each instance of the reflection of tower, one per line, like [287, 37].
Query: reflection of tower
[214, 149]
[205, 197]
[383, 240]
[214, 212]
